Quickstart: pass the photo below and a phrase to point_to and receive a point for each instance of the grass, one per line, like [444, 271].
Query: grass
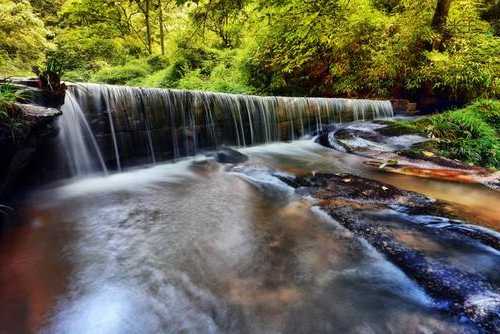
[9, 117]
[471, 134]
[8, 96]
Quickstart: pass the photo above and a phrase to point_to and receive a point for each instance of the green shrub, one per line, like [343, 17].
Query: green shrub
[221, 79]
[153, 80]
[489, 111]
[157, 63]
[9, 94]
[470, 134]
[460, 75]
[9, 115]
[121, 75]
[77, 76]
[174, 73]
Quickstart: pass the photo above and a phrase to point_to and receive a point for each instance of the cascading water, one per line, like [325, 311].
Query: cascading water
[77, 140]
[141, 125]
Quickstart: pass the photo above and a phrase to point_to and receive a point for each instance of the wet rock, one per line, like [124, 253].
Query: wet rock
[33, 112]
[450, 225]
[40, 94]
[330, 186]
[471, 175]
[369, 209]
[328, 139]
[266, 180]
[205, 166]
[19, 149]
[227, 155]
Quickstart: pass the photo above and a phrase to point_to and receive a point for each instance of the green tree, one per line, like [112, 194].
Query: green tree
[23, 37]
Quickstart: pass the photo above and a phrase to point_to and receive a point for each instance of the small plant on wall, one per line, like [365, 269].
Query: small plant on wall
[50, 75]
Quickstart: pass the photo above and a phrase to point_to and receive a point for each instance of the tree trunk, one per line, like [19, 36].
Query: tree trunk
[148, 26]
[441, 15]
[162, 33]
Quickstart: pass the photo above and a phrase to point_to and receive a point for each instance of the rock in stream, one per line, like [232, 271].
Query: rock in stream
[416, 234]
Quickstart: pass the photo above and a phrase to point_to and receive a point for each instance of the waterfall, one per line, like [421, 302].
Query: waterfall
[77, 140]
[141, 125]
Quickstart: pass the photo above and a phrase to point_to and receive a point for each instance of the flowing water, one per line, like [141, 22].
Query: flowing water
[193, 247]
[138, 125]
[77, 139]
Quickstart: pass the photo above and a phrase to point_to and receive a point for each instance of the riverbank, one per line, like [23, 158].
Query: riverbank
[457, 146]
[470, 135]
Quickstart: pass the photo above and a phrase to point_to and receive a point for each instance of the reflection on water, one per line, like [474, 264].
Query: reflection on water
[188, 247]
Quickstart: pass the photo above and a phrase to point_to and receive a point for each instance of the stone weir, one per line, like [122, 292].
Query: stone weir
[125, 126]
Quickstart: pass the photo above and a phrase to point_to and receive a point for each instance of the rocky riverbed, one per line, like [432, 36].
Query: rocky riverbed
[413, 231]
[427, 239]
[430, 244]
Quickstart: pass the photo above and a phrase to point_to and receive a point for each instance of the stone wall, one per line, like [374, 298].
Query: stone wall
[404, 107]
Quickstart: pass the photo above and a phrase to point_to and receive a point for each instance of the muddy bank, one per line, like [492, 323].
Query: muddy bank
[414, 232]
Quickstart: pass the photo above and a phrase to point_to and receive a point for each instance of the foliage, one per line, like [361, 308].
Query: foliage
[122, 74]
[471, 134]
[9, 94]
[50, 75]
[22, 37]
[9, 115]
[220, 17]
[488, 111]
[355, 48]
[7, 98]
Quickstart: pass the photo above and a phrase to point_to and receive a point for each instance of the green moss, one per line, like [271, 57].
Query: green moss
[9, 94]
[400, 127]
[7, 98]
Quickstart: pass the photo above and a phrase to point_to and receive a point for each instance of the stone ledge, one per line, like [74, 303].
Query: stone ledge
[34, 112]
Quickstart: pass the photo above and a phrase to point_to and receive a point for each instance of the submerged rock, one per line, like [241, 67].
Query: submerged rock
[227, 155]
[391, 220]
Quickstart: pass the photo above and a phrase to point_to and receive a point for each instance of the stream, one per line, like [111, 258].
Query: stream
[194, 246]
